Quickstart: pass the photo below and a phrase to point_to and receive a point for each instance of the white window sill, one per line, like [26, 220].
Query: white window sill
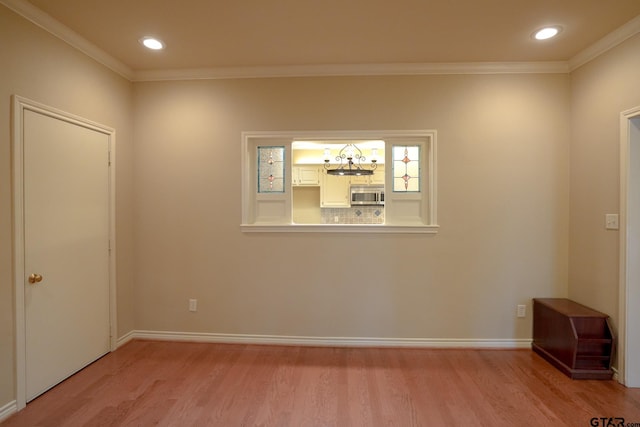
[339, 228]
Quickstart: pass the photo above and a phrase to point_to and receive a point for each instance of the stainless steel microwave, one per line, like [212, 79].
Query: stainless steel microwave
[367, 195]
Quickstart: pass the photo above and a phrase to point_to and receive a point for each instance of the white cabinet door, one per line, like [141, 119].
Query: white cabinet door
[308, 176]
[360, 180]
[378, 176]
[304, 175]
[334, 192]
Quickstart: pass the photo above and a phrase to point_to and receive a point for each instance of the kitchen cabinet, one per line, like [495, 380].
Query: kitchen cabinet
[359, 180]
[305, 175]
[376, 179]
[334, 192]
[378, 176]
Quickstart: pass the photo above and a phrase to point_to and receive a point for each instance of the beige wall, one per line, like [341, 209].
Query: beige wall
[600, 91]
[510, 147]
[40, 67]
[503, 178]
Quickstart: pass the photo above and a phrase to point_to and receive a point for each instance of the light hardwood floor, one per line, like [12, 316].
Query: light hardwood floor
[147, 383]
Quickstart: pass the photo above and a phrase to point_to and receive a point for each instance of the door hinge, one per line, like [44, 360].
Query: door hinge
[109, 158]
[109, 246]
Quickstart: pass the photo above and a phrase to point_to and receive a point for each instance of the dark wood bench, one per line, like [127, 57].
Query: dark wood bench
[575, 339]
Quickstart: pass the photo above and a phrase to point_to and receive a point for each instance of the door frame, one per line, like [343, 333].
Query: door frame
[629, 280]
[19, 106]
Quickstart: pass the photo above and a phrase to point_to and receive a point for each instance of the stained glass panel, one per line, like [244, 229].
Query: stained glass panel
[406, 168]
[270, 169]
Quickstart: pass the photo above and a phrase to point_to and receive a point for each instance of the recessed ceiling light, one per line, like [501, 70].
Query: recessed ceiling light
[546, 33]
[152, 43]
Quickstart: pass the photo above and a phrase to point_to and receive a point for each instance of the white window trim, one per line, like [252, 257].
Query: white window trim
[417, 227]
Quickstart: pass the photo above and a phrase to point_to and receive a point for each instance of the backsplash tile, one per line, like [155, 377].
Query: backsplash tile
[359, 215]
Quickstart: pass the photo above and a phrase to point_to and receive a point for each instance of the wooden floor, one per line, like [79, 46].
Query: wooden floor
[148, 383]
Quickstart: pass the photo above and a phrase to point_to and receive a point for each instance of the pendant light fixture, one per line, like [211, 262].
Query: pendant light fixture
[349, 160]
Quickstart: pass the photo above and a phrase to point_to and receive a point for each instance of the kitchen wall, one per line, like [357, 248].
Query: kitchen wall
[306, 205]
[40, 67]
[600, 91]
[503, 209]
[353, 215]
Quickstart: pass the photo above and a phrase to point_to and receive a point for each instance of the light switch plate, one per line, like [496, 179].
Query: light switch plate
[611, 221]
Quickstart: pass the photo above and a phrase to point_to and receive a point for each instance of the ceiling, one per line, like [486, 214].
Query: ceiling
[213, 34]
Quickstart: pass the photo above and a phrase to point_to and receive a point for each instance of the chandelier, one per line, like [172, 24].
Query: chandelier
[349, 160]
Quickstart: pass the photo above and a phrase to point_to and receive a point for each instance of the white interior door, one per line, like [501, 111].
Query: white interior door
[66, 245]
[630, 247]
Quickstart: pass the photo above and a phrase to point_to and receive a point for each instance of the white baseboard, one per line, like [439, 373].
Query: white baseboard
[125, 339]
[7, 410]
[326, 341]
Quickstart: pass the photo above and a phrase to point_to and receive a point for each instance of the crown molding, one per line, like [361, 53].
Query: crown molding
[331, 70]
[606, 43]
[48, 23]
[66, 34]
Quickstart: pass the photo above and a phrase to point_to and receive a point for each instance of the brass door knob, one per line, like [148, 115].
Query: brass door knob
[35, 278]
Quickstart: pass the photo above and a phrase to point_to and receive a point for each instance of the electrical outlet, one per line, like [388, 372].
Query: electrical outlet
[193, 305]
[522, 310]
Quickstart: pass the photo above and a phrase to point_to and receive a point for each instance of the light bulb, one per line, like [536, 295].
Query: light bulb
[546, 33]
[152, 43]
